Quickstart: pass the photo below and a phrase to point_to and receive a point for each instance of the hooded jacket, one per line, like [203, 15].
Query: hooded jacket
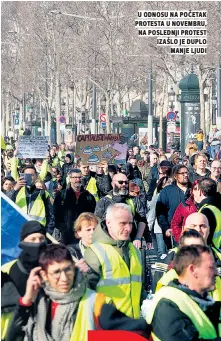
[170, 324]
[214, 201]
[180, 215]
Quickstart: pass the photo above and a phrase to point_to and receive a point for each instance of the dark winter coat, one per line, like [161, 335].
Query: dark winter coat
[140, 215]
[170, 324]
[67, 209]
[170, 198]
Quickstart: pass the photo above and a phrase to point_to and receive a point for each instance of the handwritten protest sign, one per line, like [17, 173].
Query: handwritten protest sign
[93, 149]
[33, 147]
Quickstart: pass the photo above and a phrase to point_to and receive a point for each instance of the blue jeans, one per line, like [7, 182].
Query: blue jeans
[161, 247]
[200, 145]
[214, 150]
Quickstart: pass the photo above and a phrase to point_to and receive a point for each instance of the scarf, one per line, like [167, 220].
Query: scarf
[61, 326]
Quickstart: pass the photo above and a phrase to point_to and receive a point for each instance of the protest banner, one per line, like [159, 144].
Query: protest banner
[12, 220]
[32, 147]
[93, 149]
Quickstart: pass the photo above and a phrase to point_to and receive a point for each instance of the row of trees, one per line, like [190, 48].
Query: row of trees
[61, 49]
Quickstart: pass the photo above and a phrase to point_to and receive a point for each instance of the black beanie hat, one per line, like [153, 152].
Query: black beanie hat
[69, 156]
[165, 163]
[30, 227]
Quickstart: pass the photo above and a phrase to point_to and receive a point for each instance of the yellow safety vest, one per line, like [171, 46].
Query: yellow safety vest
[7, 266]
[92, 188]
[37, 211]
[88, 311]
[166, 279]
[217, 233]
[129, 202]
[190, 308]
[121, 284]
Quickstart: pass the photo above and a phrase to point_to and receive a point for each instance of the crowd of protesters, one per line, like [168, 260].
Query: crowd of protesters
[80, 264]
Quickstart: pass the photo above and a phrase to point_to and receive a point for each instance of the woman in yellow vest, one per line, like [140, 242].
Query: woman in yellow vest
[63, 308]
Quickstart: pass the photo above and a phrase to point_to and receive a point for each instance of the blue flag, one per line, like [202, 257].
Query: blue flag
[12, 220]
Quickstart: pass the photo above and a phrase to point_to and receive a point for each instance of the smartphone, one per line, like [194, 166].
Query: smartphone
[27, 178]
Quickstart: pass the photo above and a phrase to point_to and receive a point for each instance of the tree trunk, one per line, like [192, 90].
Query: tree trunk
[58, 108]
[108, 127]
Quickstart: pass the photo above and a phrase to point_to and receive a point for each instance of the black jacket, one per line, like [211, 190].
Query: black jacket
[67, 209]
[170, 324]
[103, 183]
[214, 201]
[133, 173]
[9, 294]
[139, 217]
[195, 176]
[65, 169]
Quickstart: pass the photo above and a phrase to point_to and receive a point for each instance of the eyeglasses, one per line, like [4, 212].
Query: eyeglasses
[68, 272]
[184, 173]
[121, 182]
[75, 177]
[218, 168]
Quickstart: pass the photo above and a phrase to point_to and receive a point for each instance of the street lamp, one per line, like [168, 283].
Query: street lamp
[171, 97]
[214, 103]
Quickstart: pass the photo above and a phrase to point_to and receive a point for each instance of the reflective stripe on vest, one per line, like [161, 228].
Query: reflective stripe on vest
[5, 320]
[129, 202]
[37, 211]
[119, 283]
[92, 188]
[88, 311]
[190, 308]
[217, 233]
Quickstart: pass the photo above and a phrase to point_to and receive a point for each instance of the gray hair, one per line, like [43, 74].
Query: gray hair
[113, 208]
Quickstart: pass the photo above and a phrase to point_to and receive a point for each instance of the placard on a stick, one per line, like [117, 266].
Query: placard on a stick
[32, 147]
[93, 149]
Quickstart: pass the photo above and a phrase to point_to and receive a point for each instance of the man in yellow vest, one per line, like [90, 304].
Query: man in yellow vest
[210, 206]
[97, 183]
[115, 263]
[183, 310]
[32, 201]
[56, 305]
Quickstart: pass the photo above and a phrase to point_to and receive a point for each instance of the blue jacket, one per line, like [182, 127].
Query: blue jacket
[169, 199]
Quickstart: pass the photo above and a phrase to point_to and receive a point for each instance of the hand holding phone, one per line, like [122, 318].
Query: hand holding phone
[27, 178]
[34, 283]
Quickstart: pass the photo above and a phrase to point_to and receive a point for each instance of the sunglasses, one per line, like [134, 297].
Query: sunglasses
[121, 182]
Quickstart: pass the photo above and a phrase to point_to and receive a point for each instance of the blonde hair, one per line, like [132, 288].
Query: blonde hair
[86, 216]
[198, 155]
